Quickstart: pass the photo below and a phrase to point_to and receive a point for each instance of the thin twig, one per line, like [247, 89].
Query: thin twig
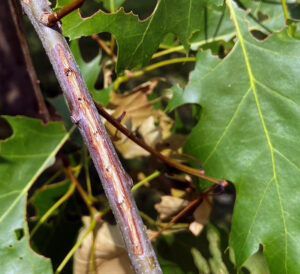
[42, 109]
[50, 19]
[146, 180]
[77, 244]
[81, 191]
[103, 45]
[190, 206]
[168, 161]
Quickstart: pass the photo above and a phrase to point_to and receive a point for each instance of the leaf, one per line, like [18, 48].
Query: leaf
[216, 261]
[110, 253]
[138, 40]
[200, 261]
[256, 264]
[248, 134]
[201, 216]
[266, 16]
[24, 156]
[112, 5]
[90, 72]
[193, 22]
[169, 206]
[47, 195]
[140, 117]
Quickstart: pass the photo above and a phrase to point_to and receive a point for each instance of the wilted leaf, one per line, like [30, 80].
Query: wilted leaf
[247, 134]
[169, 206]
[110, 254]
[140, 117]
[201, 216]
[24, 156]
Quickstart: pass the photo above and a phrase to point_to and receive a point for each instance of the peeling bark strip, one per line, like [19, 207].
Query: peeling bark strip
[115, 180]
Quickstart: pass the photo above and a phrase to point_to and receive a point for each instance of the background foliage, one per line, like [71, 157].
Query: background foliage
[200, 81]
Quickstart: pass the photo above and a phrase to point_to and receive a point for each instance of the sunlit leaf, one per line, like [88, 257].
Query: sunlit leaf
[90, 72]
[24, 156]
[247, 134]
[138, 40]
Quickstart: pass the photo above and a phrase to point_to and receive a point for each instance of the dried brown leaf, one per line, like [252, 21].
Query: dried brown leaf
[110, 254]
[169, 206]
[201, 215]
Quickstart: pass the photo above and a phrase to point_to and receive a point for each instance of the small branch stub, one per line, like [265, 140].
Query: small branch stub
[50, 19]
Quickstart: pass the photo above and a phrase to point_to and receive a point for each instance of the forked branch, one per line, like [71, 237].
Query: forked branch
[192, 171]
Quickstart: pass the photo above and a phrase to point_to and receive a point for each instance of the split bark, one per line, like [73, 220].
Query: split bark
[115, 180]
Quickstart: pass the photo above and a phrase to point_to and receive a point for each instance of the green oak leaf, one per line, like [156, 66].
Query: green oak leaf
[138, 40]
[249, 134]
[257, 264]
[112, 5]
[23, 157]
[46, 196]
[90, 72]
[194, 22]
[265, 16]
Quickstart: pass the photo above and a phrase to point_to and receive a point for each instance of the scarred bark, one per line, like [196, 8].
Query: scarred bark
[115, 180]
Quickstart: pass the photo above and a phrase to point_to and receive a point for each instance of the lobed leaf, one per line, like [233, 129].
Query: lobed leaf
[24, 156]
[248, 135]
[138, 40]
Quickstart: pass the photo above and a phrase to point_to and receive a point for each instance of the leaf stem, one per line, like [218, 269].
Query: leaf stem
[49, 212]
[104, 46]
[285, 11]
[81, 191]
[139, 73]
[168, 51]
[145, 180]
[50, 19]
[77, 244]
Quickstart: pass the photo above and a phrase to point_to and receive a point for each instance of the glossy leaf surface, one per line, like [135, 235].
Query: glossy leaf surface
[24, 156]
[248, 135]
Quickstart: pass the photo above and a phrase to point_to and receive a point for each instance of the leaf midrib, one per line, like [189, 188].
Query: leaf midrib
[254, 91]
[35, 176]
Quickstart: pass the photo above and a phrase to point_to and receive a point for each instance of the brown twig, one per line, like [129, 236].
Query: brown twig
[103, 45]
[42, 109]
[116, 182]
[190, 206]
[50, 19]
[168, 161]
[81, 191]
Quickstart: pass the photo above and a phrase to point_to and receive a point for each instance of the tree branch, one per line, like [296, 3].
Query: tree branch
[192, 171]
[115, 181]
[50, 19]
